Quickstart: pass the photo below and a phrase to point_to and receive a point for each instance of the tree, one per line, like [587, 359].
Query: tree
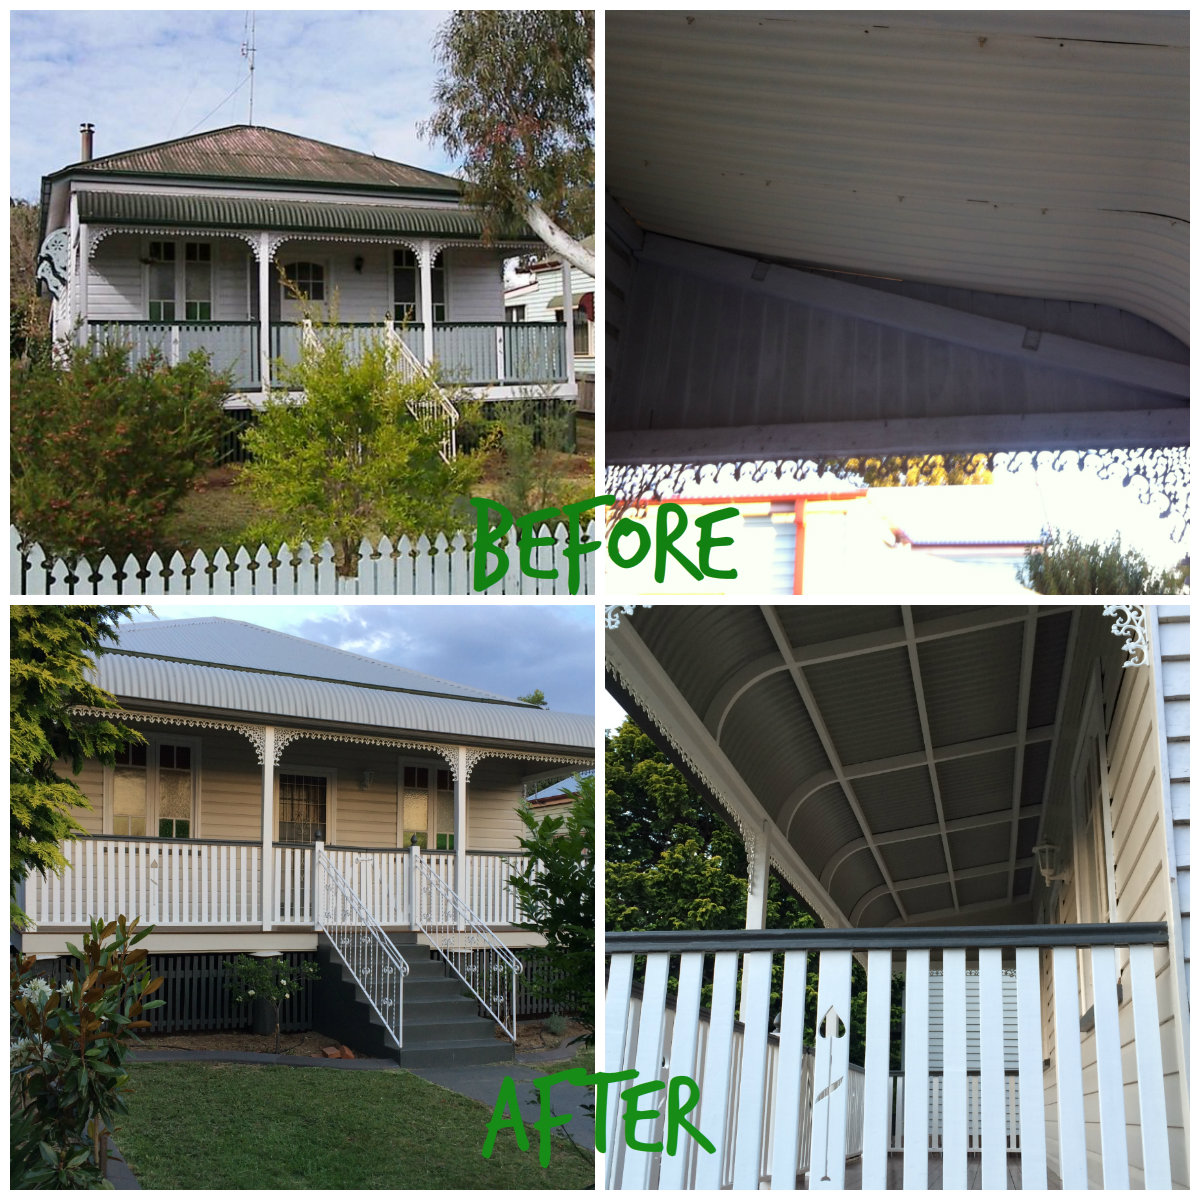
[909, 471]
[103, 453]
[67, 1059]
[351, 460]
[536, 697]
[515, 108]
[1063, 565]
[672, 862]
[557, 893]
[28, 313]
[268, 981]
[52, 650]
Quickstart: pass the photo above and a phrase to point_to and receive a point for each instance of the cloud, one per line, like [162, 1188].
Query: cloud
[357, 79]
[505, 649]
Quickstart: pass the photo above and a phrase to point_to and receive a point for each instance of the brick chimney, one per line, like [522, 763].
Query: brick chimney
[85, 141]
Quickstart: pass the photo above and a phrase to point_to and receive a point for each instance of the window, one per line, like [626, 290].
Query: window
[427, 807]
[174, 791]
[581, 329]
[162, 281]
[179, 283]
[302, 808]
[583, 332]
[197, 282]
[146, 803]
[515, 312]
[406, 288]
[305, 278]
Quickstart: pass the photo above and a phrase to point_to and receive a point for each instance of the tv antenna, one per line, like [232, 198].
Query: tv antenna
[248, 53]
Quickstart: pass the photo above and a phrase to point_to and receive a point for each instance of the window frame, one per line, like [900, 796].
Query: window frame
[329, 774]
[152, 747]
[436, 768]
[179, 262]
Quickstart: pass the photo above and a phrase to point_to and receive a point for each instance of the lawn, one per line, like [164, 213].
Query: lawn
[232, 1126]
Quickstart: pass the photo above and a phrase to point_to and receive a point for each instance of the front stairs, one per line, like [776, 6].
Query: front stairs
[441, 1022]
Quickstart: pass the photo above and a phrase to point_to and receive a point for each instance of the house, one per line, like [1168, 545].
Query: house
[537, 295]
[173, 247]
[295, 798]
[841, 539]
[834, 234]
[990, 802]
[556, 796]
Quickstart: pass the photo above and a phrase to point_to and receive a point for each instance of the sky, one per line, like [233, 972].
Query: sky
[508, 649]
[357, 79]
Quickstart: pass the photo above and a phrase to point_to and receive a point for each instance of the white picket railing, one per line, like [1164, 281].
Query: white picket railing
[191, 882]
[360, 942]
[778, 1113]
[159, 881]
[440, 566]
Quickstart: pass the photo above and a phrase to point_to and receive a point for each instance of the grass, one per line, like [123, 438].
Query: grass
[584, 1058]
[231, 1126]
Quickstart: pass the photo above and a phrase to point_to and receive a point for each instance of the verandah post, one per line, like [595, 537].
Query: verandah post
[460, 828]
[268, 825]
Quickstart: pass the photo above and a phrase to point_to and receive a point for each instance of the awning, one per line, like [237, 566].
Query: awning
[247, 212]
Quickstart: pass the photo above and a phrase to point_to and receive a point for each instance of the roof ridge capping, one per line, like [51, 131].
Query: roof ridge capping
[462, 692]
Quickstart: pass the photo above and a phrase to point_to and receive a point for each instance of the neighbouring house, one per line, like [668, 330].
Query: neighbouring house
[538, 296]
[834, 234]
[560, 795]
[299, 799]
[228, 241]
[987, 807]
[840, 539]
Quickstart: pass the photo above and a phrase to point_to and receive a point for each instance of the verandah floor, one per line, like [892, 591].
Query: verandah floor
[895, 1173]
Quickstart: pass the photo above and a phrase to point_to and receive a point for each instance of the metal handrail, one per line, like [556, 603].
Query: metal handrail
[369, 954]
[459, 939]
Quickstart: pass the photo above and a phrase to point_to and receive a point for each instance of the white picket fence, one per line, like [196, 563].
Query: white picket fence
[425, 567]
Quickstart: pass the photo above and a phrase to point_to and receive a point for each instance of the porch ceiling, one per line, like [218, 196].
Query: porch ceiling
[903, 753]
[1036, 154]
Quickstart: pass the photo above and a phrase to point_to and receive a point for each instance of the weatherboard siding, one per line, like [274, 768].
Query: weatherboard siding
[1140, 829]
[474, 285]
[115, 280]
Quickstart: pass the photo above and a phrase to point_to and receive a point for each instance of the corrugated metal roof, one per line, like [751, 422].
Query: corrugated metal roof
[865, 695]
[231, 667]
[1030, 153]
[248, 212]
[255, 152]
[229, 643]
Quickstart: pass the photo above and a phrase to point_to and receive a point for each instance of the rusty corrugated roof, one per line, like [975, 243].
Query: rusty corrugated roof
[253, 152]
[248, 212]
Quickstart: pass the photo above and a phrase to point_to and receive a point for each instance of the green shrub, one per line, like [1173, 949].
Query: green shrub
[557, 889]
[352, 460]
[67, 1076]
[267, 980]
[103, 453]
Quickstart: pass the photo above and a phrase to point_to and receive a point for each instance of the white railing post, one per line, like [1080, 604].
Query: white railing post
[318, 896]
[500, 363]
[414, 898]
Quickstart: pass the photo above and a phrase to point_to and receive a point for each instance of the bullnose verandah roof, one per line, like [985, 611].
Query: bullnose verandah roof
[905, 754]
[214, 665]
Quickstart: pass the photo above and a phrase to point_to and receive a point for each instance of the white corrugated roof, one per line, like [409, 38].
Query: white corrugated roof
[216, 665]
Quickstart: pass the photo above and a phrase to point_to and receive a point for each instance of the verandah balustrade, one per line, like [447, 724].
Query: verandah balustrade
[472, 354]
[192, 882]
[775, 1118]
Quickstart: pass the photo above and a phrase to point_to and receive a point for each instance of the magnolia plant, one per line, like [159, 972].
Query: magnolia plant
[272, 980]
[67, 1059]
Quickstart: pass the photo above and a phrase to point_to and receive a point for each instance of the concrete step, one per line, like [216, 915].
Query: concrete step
[458, 1054]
